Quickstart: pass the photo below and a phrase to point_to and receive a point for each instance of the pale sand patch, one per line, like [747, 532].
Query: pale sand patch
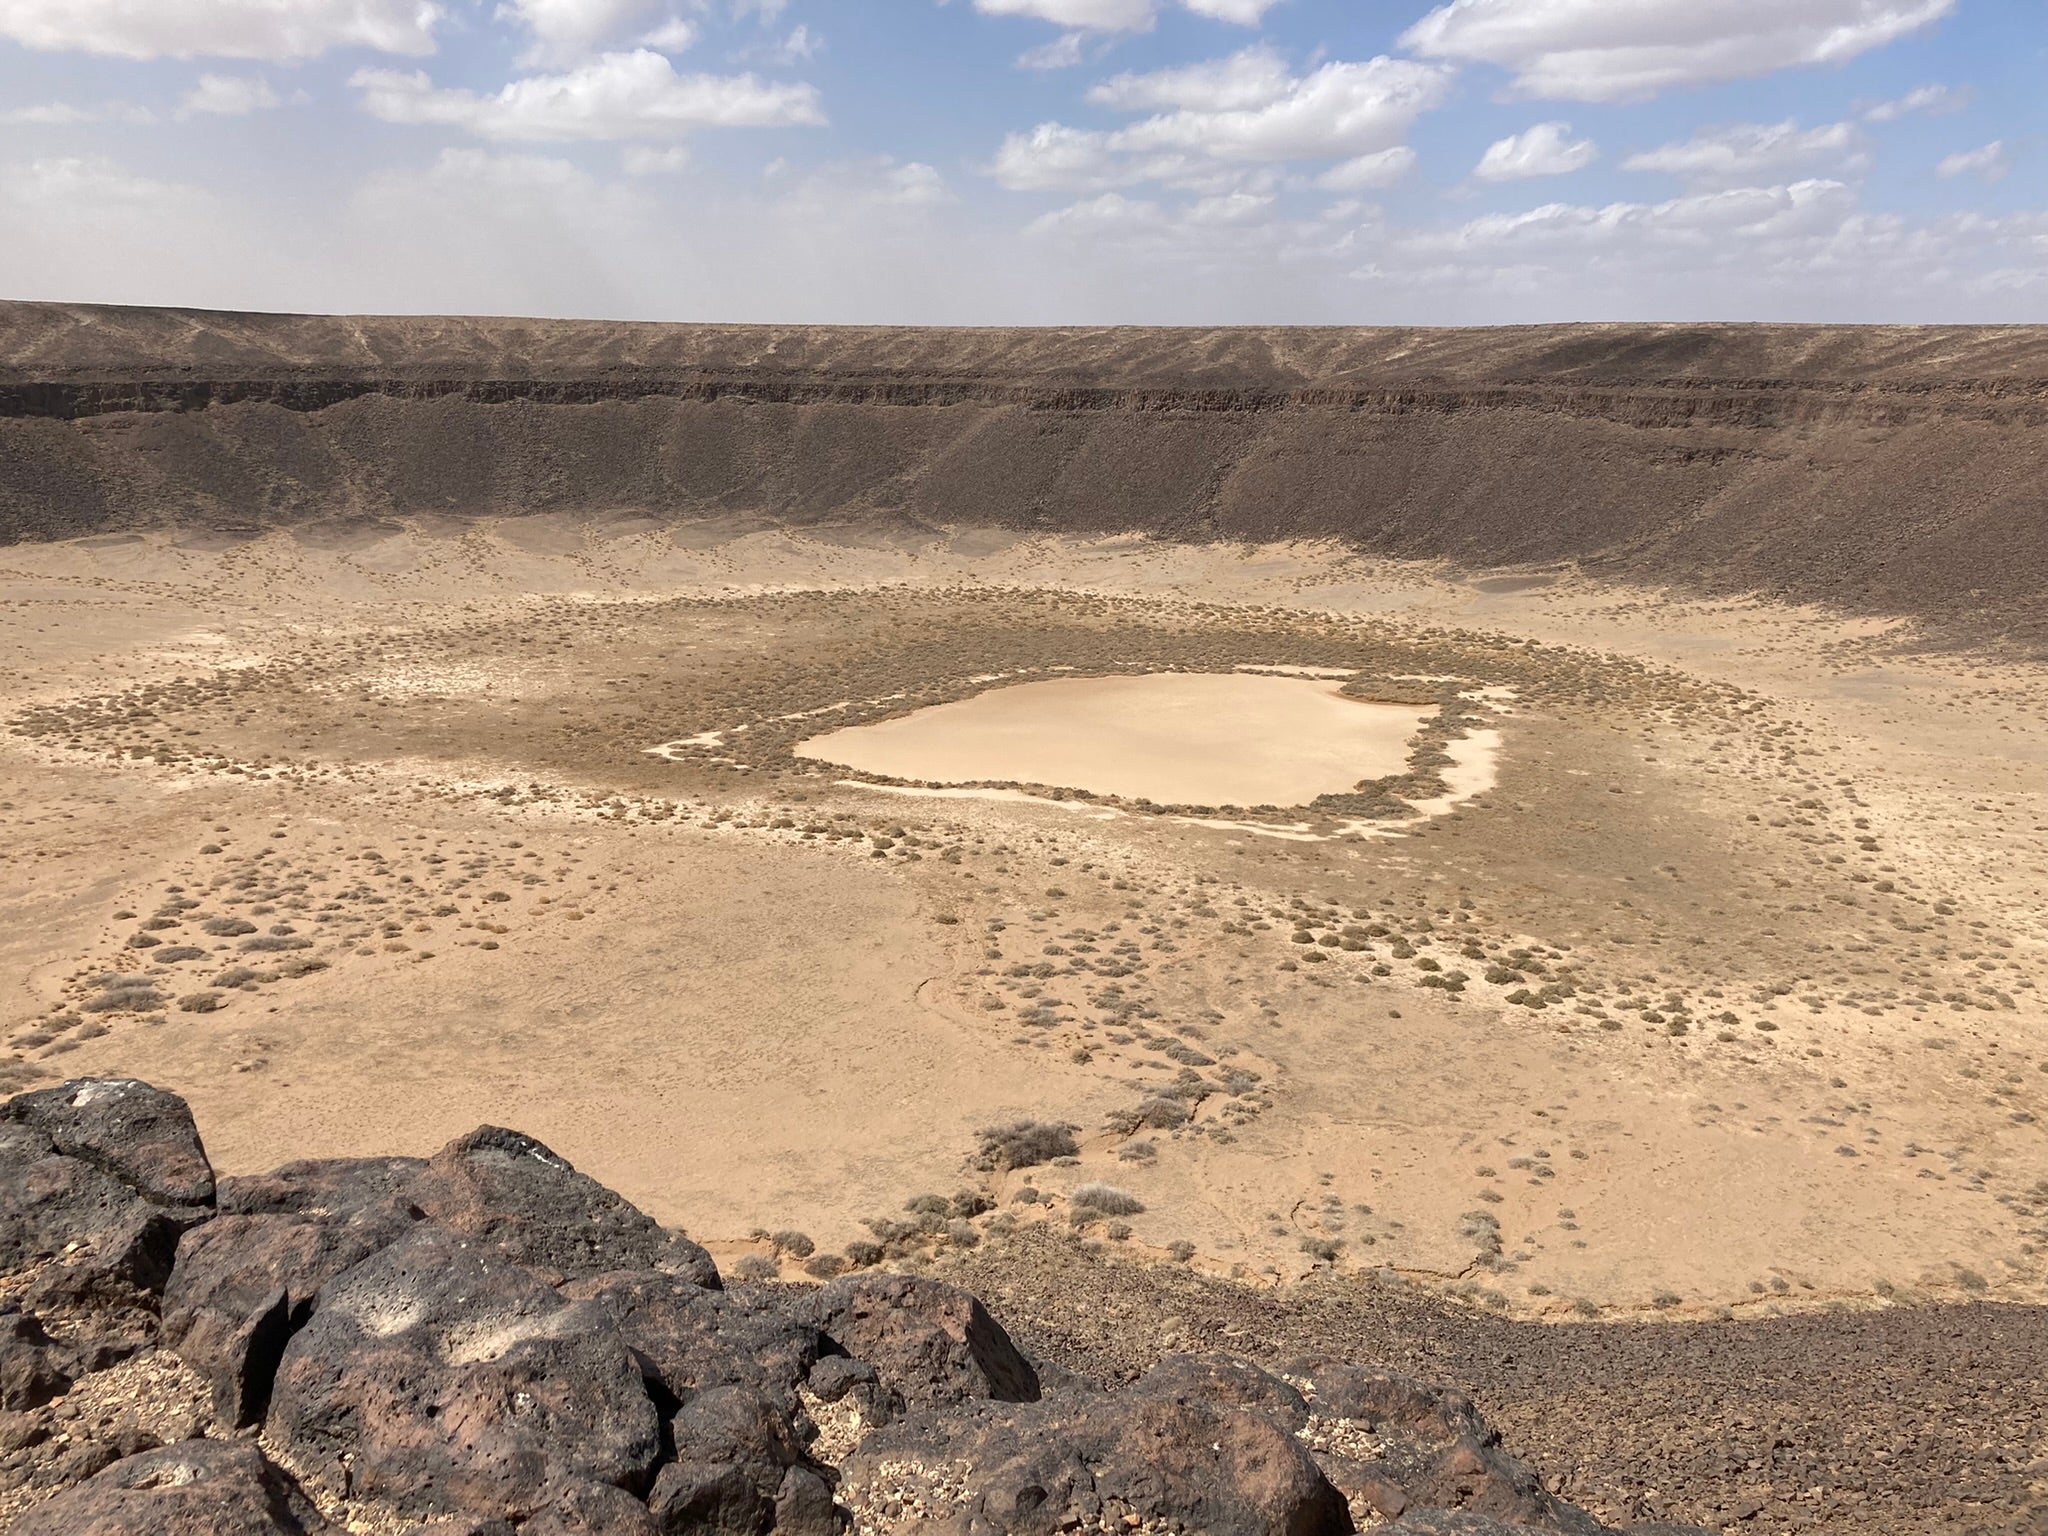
[1176, 738]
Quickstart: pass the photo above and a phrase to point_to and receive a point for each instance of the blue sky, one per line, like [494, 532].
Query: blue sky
[1033, 161]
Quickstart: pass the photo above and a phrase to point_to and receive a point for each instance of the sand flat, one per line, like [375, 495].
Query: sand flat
[1174, 738]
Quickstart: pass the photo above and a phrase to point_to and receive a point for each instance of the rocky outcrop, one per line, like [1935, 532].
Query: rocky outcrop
[1887, 469]
[490, 1342]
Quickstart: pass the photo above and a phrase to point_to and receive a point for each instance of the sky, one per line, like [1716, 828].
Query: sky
[982, 162]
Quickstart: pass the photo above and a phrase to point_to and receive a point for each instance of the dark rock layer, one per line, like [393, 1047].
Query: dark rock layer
[1884, 469]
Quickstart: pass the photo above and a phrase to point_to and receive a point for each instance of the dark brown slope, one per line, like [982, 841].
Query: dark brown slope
[1887, 469]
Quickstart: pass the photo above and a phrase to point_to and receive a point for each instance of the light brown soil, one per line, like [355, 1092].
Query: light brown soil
[1779, 876]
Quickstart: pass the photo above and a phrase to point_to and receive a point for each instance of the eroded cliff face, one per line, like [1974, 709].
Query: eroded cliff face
[1881, 469]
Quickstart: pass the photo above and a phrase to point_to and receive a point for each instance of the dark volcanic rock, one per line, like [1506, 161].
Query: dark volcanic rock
[930, 1342]
[1086, 1459]
[325, 1188]
[441, 1379]
[243, 1285]
[193, 1488]
[533, 1208]
[735, 1453]
[141, 1135]
[590, 1509]
[512, 1192]
[32, 1366]
[1226, 1379]
[1433, 1447]
[102, 1175]
[688, 1339]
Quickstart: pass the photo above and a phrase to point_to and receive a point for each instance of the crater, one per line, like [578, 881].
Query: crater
[1224, 739]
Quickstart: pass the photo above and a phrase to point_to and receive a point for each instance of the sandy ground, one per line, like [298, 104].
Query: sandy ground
[1747, 906]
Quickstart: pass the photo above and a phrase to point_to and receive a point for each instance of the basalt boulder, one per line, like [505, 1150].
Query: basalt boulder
[439, 1379]
[930, 1342]
[98, 1180]
[193, 1488]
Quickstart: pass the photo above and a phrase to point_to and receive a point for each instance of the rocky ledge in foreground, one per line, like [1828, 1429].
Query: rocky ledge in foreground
[487, 1341]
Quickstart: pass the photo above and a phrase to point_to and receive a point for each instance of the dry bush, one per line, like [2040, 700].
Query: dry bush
[1024, 1144]
[1107, 1199]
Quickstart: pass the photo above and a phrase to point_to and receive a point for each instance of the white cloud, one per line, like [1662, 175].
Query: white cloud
[634, 95]
[1701, 219]
[1932, 99]
[646, 160]
[565, 31]
[675, 35]
[1246, 13]
[1547, 149]
[1752, 152]
[1991, 162]
[1063, 52]
[1119, 15]
[1253, 78]
[276, 30]
[1369, 171]
[1242, 111]
[64, 114]
[228, 96]
[1084, 15]
[1608, 50]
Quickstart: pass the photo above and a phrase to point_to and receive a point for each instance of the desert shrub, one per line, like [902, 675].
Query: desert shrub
[272, 943]
[227, 927]
[795, 1244]
[199, 1002]
[928, 1205]
[1024, 1144]
[143, 941]
[32, 1039]
[301, 965]
[1181, 1249]
[1107, 1199]
[962, 1233]
[825, 1266]
[861, 1254]
[1137, 1152]
[234, 976]
[1026, 1196]
[970, 1203]
[755, 1266]
[92, 1031]
[1118, 1232]
[1320, 1248]
[181, 953]
[124, 993]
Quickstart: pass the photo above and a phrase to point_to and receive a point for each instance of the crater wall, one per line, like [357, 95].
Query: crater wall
[1883, 469]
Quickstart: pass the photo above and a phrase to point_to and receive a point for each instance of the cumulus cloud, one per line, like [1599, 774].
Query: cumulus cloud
[635, 95]
[64, 114]
[1751, 152]
[1366, 172]
[1611, 50]
[673, 36]
[1123, 15]
[1991, 162]
[565, 31]
[1548, 149]
[1932, 99]
[1253, 78]
[1244, 111]
[228, 96]
[276, 30]
[1082, 15]
[1246, 13]
[1063, 52]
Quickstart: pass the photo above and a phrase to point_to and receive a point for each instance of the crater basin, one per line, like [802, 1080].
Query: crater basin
[1177, 738]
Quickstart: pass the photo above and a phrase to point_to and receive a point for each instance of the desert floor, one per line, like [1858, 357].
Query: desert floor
[1705, 980]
